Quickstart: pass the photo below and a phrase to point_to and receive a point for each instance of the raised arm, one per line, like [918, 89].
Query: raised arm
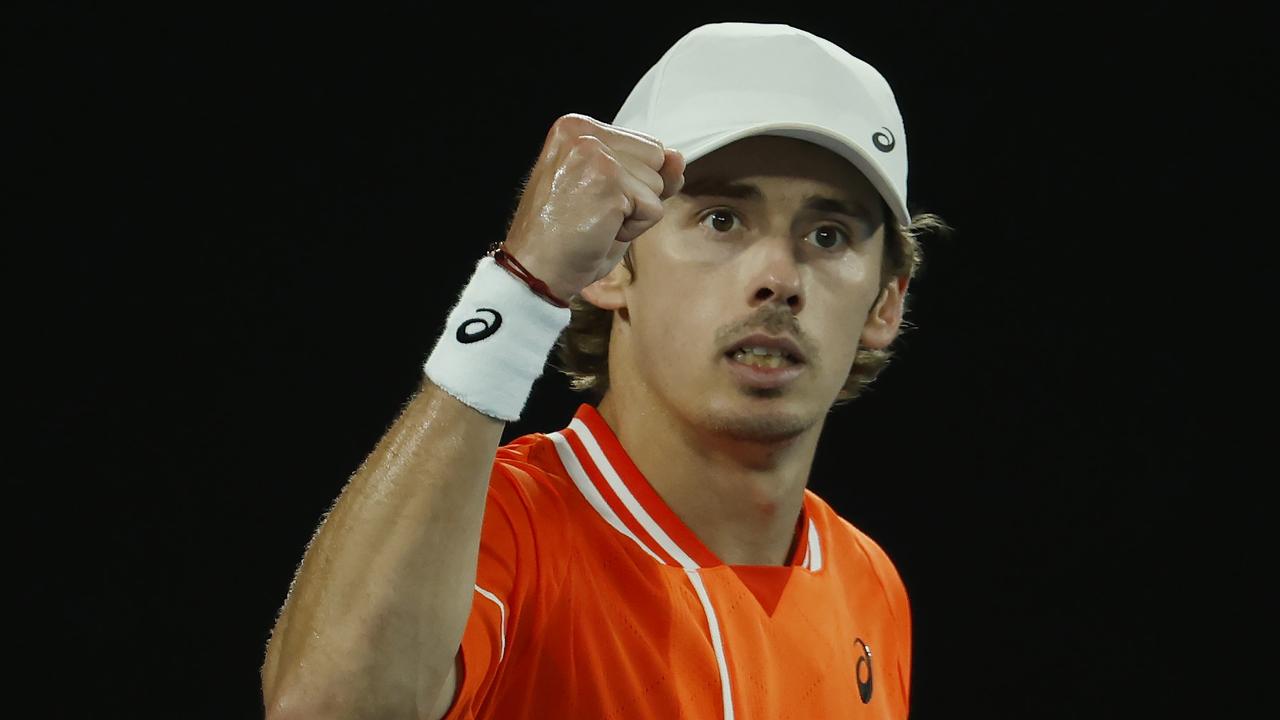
[374, 619]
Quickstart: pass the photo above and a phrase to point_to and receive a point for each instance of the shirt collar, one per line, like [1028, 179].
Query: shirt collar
[616, 489]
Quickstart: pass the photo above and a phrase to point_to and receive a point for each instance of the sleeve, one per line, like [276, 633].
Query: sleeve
[901, 605]
[509, 588]
[900, 611]
[898, 607]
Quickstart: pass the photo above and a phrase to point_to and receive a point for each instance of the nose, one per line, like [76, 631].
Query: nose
[775, 276]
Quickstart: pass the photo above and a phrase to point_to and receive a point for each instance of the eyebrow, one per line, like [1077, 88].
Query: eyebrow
[718, 187]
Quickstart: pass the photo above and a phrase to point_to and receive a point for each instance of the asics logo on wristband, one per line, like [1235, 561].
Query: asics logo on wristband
[485, 328]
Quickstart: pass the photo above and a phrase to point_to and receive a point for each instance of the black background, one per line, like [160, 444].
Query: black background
[245, 230]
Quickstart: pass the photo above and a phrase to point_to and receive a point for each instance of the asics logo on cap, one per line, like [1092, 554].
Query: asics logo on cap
[486, 329]
[884, 140]
[864, 666]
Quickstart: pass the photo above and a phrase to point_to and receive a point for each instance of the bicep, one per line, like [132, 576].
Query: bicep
[448, 693]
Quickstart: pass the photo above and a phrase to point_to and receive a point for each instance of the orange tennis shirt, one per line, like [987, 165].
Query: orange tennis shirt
[594, 600]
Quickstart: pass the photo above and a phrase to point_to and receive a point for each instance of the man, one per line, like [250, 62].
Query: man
[660, 556]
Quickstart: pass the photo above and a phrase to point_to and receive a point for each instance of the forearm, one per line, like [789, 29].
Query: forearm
[378, 607]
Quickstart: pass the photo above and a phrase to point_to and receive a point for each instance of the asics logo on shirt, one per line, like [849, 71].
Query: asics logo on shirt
[863, 672]
[485, 328]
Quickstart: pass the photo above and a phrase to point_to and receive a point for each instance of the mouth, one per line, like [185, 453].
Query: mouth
[765, 351]
[762, 367]
[761, 357]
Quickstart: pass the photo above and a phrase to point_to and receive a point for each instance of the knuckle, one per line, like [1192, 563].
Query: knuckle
[593, 153]
[657, 155]
[652, 146]
[572, 125]
[587, 142]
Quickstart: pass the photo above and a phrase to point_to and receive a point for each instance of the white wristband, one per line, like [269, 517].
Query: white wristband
[495, 342]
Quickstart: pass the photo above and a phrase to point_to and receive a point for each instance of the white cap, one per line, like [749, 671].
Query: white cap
[725, 81]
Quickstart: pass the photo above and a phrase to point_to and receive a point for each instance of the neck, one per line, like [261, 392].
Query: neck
[742, 499]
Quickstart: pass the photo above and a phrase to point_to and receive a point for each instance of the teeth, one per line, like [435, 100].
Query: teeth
[760, 357]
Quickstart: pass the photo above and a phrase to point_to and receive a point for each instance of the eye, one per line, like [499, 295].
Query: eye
[720, 213]
[829, 236]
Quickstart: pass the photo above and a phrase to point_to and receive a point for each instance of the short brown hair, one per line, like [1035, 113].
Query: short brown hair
[583, 346]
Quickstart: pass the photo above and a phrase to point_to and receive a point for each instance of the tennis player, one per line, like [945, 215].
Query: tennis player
[719, 266]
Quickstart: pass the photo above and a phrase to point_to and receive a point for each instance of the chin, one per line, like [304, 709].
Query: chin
[764, 416]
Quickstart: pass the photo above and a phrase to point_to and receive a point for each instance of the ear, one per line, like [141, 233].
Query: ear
[886, 314]
[607, 292]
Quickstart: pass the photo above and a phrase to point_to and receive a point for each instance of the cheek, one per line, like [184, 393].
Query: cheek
[837, 318]
[854, 284]
[672, 293]
[675, 323]
[854, 271]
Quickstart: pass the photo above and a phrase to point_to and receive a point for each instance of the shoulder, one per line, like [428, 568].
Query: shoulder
[851, 542]
[855, 555]
[527, 538]
[535, 450]
[531, 487]
[529, 466]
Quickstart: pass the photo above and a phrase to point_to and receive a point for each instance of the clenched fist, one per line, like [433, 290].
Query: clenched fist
[594, 188]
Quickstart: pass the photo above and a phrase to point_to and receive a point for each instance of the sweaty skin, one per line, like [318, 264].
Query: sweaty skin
[376, 613]
[730, 459]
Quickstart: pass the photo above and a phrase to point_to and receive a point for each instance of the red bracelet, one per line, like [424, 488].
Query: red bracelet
[513, 266]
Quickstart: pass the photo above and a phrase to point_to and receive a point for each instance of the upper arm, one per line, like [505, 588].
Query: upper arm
[448, 691]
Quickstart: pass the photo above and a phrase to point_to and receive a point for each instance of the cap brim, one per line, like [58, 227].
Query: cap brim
[843, 146]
